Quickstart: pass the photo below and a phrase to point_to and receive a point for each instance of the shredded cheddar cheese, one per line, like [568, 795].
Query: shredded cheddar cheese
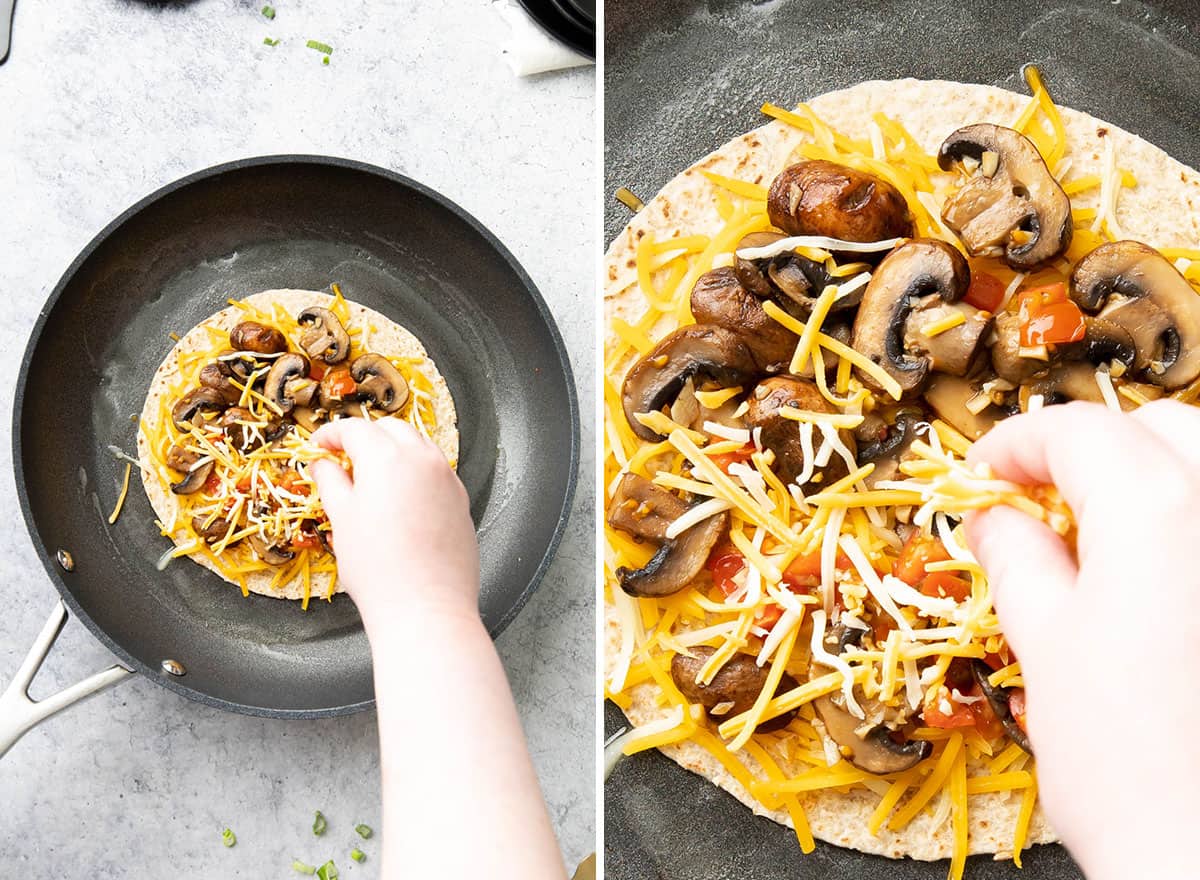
[260, 489]
[824, 550]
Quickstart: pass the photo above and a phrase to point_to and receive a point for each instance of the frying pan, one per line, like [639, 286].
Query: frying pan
[169, 262]
[683, 77]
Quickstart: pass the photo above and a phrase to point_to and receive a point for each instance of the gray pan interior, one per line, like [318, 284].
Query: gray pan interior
[683, 77]
[174, 259]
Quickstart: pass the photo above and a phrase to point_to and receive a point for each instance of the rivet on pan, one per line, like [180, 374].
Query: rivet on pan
[173, 667]
[66, 560]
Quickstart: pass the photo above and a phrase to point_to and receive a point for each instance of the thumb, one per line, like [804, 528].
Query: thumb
[1030, 570]
[334, 486]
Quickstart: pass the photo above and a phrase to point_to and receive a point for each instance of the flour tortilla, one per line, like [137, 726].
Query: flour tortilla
[1163, 211]
[387, 338]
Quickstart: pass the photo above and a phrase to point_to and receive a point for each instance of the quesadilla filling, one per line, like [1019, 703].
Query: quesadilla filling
[786, 431]
[232, 437]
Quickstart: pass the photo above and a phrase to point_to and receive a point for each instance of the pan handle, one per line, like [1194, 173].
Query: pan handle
[18, 713]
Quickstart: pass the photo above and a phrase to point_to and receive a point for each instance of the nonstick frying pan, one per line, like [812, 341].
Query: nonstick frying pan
[172, 260]
[683, 77]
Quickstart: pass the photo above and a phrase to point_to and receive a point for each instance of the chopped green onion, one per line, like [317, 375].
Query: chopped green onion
[300, 868]
[269, 42]
[328, 871]
[320, 47]
[357, 854]
[319, 824]
[325, 60]
[228, 837]
[269, 11]
[364, 831]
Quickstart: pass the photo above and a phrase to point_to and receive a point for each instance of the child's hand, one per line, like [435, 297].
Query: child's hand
[402, 529]
[1110, 644]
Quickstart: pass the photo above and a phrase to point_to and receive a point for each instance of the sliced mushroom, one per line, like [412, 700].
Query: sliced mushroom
[782, 435]
[949, 397]
[213, 532]
[817, 197]
[252, 336]
[867, 743]
[325, 338]
[1012, 202]
[240, 364]
[1135, 287]
[247, 437]
[181, 459]
[1106, 342]
[643, 509]
[307, 418]
[719, 298]
[219, 376]
[269, 554]
[914, 271]
[888, 443]
[1062, 383]
[1007, 360]
[288, 384]
[950, 351]
[700, 351]
[736, 686]
[873, 750]
[679, 560]
[997, 698]
[379, 382]
[196, 401]
[194, 479]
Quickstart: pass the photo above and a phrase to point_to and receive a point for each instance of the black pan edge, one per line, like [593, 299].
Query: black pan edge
[46, 554]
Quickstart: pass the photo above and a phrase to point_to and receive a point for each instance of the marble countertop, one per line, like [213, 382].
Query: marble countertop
[103, 102]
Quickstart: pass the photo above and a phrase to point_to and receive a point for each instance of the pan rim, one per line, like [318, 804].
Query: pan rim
[50, 564]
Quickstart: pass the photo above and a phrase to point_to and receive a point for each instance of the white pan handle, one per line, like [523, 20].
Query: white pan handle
[18, 713]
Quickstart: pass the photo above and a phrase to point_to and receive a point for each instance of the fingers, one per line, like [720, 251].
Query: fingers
[334, 486]
[1082, 448]
[1029, 567]
[1176, 425]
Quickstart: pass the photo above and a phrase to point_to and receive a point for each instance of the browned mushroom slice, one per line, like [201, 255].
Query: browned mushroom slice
[196, 401]
[269, 554]
[259, 338]
[324, 338]
[194, 479]
[1011, 201]
[869, 745]
[887, 444]
[307, 418]
[950, 351]
[699, 351]
[911, 274]
[1007, 360]
[181, 459]
[733, 689]
[219, 376]
[719, 298]
[817, 197]
[954, 399]
[872, 749]
[1133, 286]
[288, 384]
[379, 382]
[997, 698]
[782, 435]
[213, 532]
[643, 509]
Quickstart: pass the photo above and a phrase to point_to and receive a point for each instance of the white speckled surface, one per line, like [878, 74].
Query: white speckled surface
[103, 102]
